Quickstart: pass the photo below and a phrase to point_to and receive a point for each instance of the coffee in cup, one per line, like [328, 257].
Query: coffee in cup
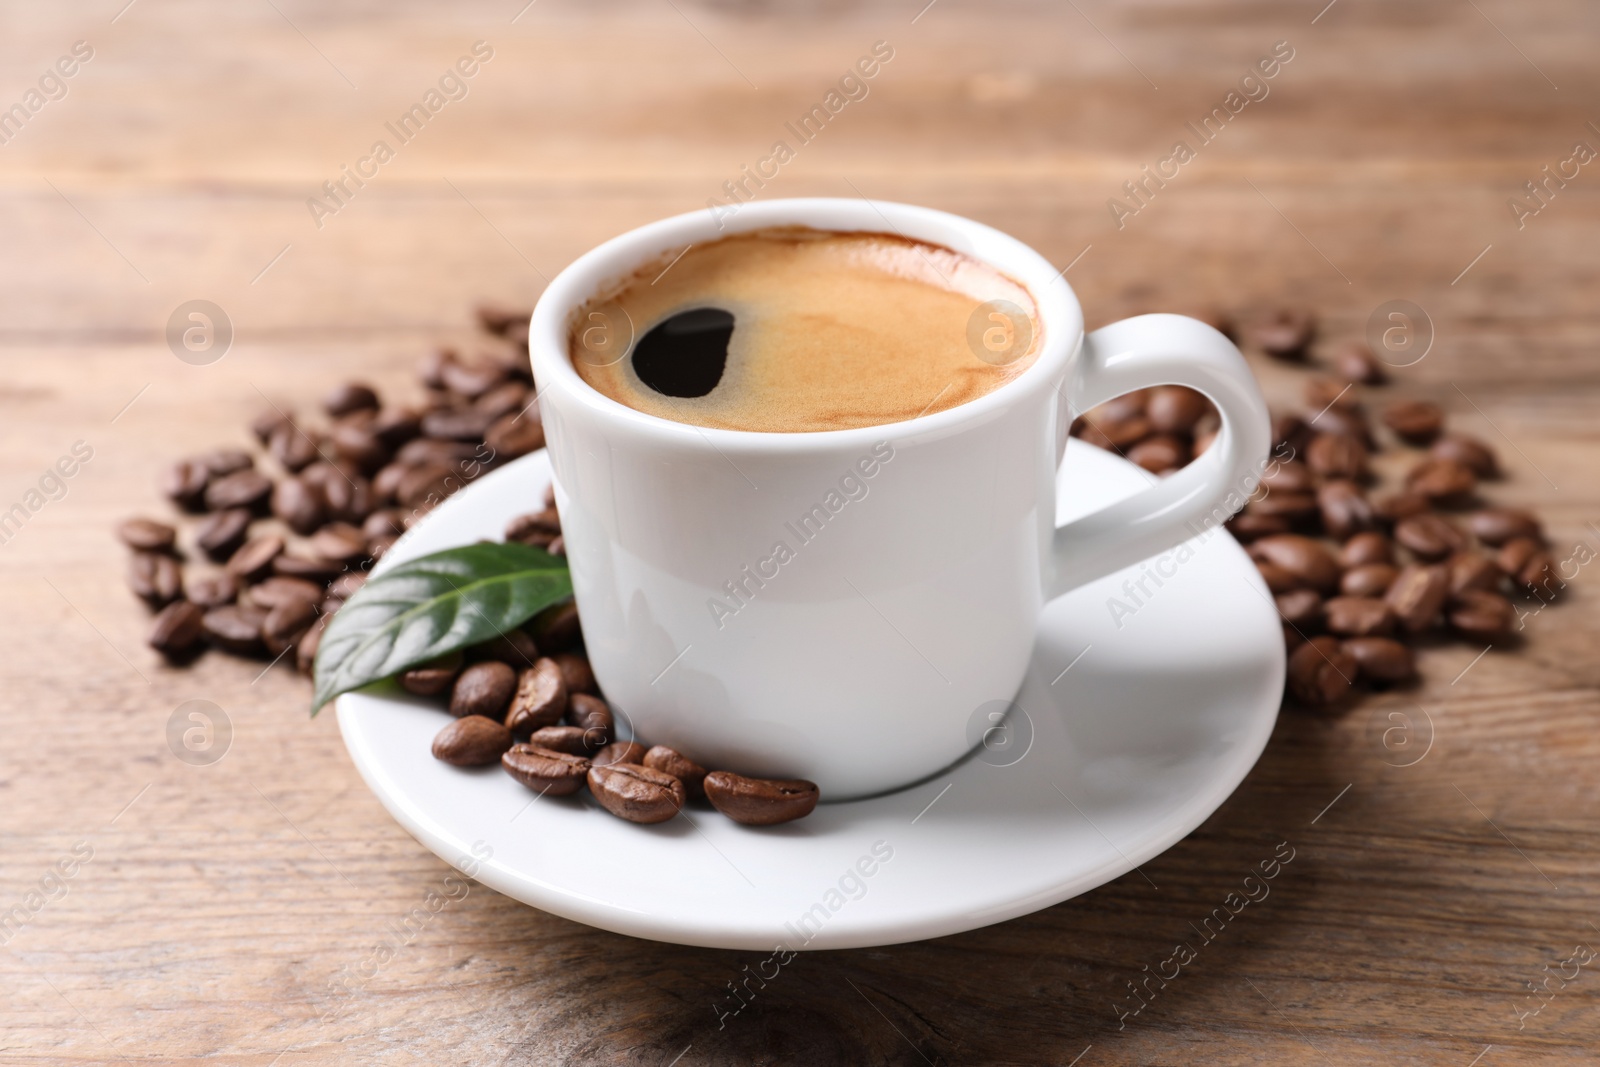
[791, 330]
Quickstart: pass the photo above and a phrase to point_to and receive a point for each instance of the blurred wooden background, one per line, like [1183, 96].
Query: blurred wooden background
[221, 901]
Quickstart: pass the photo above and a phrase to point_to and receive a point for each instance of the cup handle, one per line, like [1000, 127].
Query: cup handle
[1164, 350]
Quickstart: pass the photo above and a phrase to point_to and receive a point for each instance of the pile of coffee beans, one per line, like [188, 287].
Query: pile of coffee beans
[288, 531]
[279, 536]
[528, 701]
[1360, 571]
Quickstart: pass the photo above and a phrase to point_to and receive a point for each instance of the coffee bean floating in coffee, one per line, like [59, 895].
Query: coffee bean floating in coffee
[684, 354]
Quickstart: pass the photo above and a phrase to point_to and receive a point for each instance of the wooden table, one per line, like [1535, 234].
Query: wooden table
[225, 907]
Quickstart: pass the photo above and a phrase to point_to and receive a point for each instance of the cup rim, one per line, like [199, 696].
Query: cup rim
[1060, 315]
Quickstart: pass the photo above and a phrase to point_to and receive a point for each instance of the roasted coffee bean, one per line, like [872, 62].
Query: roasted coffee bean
[1358, 616]
[305, 652]
[472, 742]
[1496, 526]
[1353, 361]
[553, 774]
[576, 672]
[351, 396]
[395, 426]
[1304, 557]
[471, 380]
[1175, 409]
[378, 546]
[1321, 673]
[513, 647]
[433, 677]
[540, 698]
[1290, 432]
[592, 714]
[176, 629]
[311, 568]
[1300, 608]
[760, 801]
[638, 794]
[1336, 455]
[184, 483]
[330, 606]
[1537, 576]
[1251, 526]
[668, 761]
[1368, 579]
[266, 423]
[557, 628]
[354, 442]
[213, 590]
[504, 399]
[1349, 422]
[1345, 509]
[234, 628]
[340, 542]
[1381, 659]
[248, 488]
[1366, 548]
[1163, 452]
[155, 578]
[386, 483]
[254, 558]
[1443, 481]
[292, 447]
[349, 498]
[297, 504]
[429, 483]
[463, 424]
[385, 522]
[1283, 334]
[1482, 616]
[1289, 476]
[1279, 579]
[1393, 507]
[483, 689]
[1473, 570]
[536, 528]
[1417, 596]
[619, 752]
[285, 622]
[1415, 421]
[220, 534]
[1121, 407]
[1470, 452]
[345, 586]
[568, 739]
[274, 591]
[515, 435]
[1515, 553]
[147, 535]
[220, 461]
[1122, 434]
[1430, 537]
[1322, 393]
[1290, 507]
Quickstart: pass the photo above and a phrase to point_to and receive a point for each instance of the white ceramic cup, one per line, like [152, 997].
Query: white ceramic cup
[915, 556]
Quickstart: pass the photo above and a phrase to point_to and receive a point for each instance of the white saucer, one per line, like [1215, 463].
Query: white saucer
[1133, 746]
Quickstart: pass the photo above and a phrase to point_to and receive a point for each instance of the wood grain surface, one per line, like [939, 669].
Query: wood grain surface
[224, 910]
